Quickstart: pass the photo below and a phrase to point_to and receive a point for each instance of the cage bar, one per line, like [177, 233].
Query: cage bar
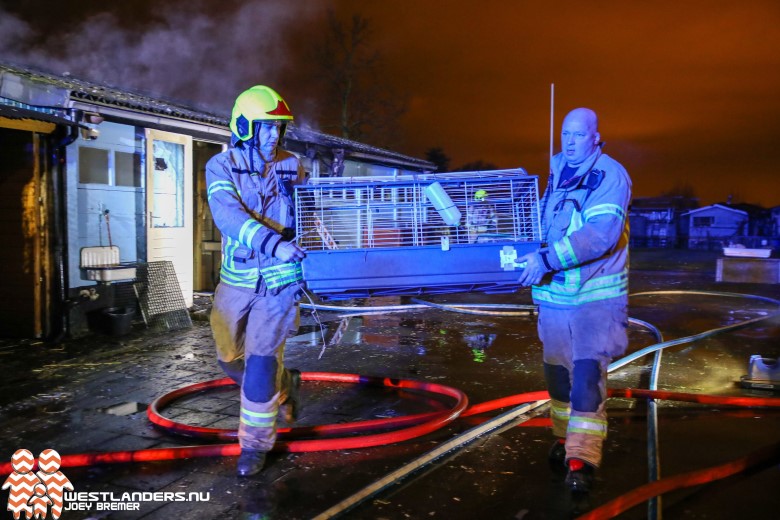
[368, 236]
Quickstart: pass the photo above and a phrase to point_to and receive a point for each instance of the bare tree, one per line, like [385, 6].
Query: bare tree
[437, 156]
[478, 165]
[351, 71]
[681, 189]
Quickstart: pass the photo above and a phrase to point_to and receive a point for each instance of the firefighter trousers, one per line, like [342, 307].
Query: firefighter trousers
[255, 328]
[579, 343]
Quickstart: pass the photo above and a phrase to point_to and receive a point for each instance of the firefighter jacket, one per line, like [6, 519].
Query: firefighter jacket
[585, 229]
[252, 205]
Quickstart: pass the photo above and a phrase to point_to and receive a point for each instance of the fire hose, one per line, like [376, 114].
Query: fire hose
[323, 437]
[759, 458]
[409, 426]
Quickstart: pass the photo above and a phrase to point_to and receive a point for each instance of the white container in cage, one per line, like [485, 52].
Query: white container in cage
[422, 234]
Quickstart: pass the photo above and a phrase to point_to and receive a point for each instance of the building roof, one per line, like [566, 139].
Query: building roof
[716, 206]
[62, 92]
[14, 112]
[750, 209]
[103, 95]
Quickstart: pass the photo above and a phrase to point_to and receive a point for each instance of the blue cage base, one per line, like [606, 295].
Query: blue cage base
[360, 273]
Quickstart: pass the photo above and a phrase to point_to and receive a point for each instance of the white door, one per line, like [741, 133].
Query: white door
[169, 204]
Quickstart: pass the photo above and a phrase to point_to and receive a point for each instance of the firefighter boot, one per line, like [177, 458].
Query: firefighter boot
[250, 462]
[291, 404]
[557, 455]
[579, 479]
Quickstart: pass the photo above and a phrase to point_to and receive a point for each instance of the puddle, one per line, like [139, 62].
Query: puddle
[123, 409]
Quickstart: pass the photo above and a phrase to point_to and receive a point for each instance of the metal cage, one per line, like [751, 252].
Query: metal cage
[422, 234]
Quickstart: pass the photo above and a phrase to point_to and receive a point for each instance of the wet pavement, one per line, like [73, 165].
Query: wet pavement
[90, 395]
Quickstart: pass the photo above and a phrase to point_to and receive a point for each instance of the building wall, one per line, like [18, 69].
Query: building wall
[20, 235]
[715, 224]
[653, 228]
[207, 238]
[106, 174]
[364, 169]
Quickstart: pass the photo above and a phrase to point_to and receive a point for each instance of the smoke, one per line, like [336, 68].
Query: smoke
[184, 52]
[14, 32]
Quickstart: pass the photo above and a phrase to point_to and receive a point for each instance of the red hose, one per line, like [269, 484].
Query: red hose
[433, 420]
[411, 425]
[503, 402]
[421, 424]
[720, 400]
[766, 455]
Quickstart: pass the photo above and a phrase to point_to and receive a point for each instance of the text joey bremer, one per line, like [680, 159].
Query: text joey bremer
[127, 501]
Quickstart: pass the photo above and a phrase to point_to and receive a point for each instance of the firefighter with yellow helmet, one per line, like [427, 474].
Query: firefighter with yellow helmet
[250, 188]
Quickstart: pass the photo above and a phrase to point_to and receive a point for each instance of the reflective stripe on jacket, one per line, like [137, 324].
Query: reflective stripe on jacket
[251, 203]
[585, 226]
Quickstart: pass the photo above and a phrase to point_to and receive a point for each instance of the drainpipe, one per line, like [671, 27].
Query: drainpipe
[59, 210]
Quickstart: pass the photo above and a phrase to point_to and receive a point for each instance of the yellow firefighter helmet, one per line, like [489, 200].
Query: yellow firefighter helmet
[259, 103]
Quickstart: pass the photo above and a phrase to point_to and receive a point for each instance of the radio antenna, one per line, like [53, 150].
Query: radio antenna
[552, 112]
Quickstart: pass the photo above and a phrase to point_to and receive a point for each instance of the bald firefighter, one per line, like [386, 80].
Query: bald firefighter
[580, 282]
[250, 188]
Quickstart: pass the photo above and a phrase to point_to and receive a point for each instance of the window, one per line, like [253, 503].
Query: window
[93, 165]
[127, 167]
[703, 221]
[111, 167]
[168, 185]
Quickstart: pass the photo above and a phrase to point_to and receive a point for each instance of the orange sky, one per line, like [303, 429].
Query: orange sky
[688, 91]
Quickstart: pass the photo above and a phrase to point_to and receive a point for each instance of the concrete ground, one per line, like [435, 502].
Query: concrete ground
[89, 395]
